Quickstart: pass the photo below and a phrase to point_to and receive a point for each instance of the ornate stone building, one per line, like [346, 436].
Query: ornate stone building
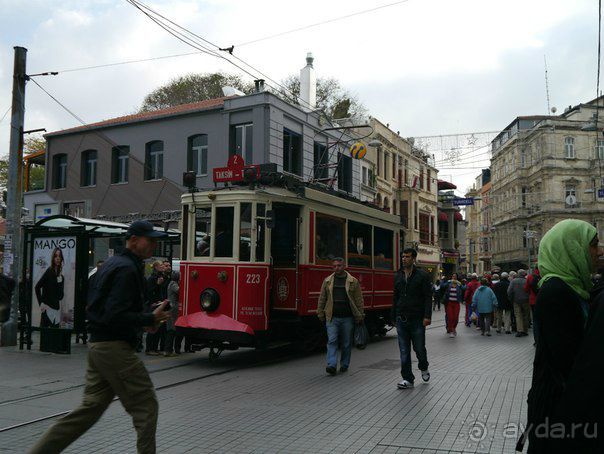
[403, 181]
[545, 169]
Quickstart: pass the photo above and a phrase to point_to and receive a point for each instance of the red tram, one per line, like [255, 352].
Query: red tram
[254, 259]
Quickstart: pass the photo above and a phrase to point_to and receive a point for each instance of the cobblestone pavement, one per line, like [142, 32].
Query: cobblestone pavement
[474, 402]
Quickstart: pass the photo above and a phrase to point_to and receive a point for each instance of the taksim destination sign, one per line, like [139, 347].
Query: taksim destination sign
[235, 170]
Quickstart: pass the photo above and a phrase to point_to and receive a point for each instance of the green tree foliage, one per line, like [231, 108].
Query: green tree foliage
[332, 98]
[192, 88]
[33, 144]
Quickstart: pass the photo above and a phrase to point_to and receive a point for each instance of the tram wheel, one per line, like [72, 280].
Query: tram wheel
[215, 353]
[309, 341]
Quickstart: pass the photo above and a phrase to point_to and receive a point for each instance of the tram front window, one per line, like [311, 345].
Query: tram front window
[245, 232]
[223, 233]
[260, 232]
[203, 223]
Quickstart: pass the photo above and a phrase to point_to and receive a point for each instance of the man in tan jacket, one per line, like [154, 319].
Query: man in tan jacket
[340, 305]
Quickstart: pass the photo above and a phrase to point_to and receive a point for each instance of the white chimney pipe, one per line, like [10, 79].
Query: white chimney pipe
[308, 85]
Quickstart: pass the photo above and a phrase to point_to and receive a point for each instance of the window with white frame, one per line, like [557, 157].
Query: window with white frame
[197, 154]
[242, 139]
[599, 154]
[569, 147]
[154, 160]
[119, 164]
[88, 174]
[364, 175]
[522, 159]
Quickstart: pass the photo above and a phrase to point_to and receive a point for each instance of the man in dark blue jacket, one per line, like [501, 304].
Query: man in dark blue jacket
[115, 314]
[412, 310]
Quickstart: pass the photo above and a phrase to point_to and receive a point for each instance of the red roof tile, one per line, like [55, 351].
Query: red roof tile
[144, 116]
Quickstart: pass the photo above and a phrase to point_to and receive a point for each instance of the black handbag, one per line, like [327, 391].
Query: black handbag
[361, 336]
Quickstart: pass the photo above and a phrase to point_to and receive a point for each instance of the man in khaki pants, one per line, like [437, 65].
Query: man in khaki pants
[115, 313]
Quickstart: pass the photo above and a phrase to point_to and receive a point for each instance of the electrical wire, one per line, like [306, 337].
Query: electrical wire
[188, 37]
[109, 141]
[127, 62]
[335, 19]
[5, 114]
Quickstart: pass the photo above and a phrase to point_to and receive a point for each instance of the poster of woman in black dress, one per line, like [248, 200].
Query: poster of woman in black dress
[50, 290]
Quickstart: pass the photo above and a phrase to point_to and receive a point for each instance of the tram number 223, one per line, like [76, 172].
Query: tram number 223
[252, 278]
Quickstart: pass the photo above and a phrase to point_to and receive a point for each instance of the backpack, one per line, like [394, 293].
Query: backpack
[535, 282]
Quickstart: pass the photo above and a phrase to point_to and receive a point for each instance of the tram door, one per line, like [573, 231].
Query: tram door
[285, 255]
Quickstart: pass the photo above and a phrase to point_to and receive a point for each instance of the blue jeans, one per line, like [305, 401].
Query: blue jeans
[339, 329]
[411, 332]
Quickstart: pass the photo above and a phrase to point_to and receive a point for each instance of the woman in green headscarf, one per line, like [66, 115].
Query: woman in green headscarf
[568, 253]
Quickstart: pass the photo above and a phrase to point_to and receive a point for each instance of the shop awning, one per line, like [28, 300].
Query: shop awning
[443, 185]
[442, 216]
[458, 216]
[92, 226]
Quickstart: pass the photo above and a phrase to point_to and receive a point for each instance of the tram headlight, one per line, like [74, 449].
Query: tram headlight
[209, 300]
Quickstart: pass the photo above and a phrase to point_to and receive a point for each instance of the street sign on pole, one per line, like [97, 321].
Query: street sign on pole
[463, 202]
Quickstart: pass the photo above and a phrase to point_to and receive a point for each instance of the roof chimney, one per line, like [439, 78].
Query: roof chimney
[308, 85]
[259, 85]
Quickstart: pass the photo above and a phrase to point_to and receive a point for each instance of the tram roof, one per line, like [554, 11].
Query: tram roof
[305, 194]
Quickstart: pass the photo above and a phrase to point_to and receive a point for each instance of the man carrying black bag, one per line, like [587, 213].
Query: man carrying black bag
[340, 305]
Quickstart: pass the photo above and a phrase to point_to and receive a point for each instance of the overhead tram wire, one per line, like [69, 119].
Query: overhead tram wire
[103, 137]
[328, 21]
[187, 40]
[5, 114]
[127, 62]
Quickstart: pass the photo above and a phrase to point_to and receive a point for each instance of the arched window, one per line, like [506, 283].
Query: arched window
[119, 164]
[154, 160]
[88, 168]
[59, 171]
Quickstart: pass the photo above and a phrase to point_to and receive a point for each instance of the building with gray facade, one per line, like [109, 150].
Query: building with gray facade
[131, 167]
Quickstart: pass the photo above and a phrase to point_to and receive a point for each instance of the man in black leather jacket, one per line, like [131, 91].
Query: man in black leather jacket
[412, 312]
[115, 314]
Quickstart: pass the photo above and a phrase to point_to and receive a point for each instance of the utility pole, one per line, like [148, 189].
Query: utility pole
[12, 243]
[471, 257]
[529, 236]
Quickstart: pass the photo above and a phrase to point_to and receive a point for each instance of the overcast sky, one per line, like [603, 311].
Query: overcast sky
[426, 67]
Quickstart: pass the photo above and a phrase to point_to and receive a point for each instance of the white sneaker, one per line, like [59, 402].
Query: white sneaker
[404, 384]
[451, 334]
[425, 375]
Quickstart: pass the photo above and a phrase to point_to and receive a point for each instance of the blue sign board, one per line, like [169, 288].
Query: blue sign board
[600, 193]
[463, 202]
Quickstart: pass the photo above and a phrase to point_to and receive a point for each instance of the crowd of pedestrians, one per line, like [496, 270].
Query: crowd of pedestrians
[163, 284]
[503, 301]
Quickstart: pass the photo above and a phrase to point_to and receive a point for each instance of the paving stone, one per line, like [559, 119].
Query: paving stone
[478, 388]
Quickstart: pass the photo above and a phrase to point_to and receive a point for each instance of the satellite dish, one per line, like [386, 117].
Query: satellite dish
[232, 91]
[554, 110]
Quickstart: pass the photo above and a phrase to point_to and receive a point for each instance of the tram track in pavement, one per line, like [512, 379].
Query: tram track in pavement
[277, 359]
[265, 362]
[73, 387]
